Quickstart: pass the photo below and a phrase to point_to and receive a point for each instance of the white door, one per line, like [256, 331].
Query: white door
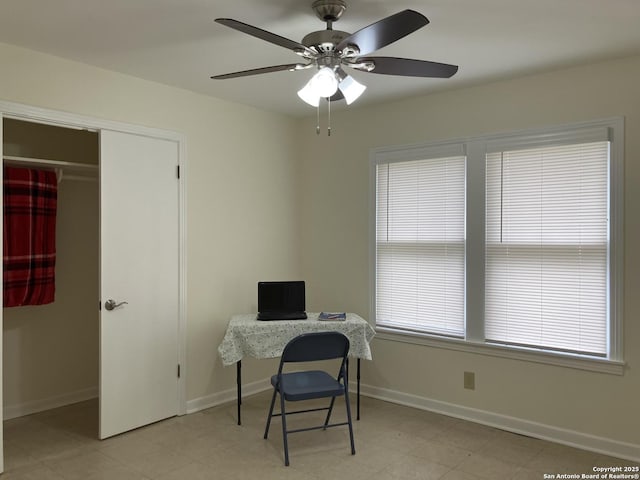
[139, 230]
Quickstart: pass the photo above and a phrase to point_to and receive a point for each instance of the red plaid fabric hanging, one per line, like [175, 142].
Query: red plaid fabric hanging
[29, 250]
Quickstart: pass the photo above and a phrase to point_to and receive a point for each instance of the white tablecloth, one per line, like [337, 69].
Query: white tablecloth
[247, 336]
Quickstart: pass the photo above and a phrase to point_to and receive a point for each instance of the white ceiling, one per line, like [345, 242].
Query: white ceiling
[177, 43]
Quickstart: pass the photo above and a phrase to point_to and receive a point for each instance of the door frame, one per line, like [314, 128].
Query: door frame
[70, 120]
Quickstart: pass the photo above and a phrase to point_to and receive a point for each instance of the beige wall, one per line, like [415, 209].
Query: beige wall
[241, 190]
[336, 242]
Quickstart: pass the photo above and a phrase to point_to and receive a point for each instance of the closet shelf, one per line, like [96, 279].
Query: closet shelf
[50, 163]
[72, 170]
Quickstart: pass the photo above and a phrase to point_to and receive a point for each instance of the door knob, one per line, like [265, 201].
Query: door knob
[111, 304]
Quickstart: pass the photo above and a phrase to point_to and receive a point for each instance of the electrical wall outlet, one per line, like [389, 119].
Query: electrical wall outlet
[470, 380]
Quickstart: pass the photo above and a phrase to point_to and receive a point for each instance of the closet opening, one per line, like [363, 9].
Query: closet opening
[51, 351]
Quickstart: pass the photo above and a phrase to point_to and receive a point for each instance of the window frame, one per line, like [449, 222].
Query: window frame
[476, 149]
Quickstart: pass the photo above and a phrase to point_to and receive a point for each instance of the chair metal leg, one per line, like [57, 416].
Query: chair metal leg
[284, 431]
[239, 389]
[273, 401]
[326, 421]
[358, 393]
[348, 405]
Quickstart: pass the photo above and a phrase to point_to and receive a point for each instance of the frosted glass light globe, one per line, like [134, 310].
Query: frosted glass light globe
[324, 83]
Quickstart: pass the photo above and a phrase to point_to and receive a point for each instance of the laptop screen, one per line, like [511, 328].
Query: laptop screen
[281, 297]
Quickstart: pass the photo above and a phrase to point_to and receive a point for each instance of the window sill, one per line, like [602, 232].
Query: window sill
[549, 358]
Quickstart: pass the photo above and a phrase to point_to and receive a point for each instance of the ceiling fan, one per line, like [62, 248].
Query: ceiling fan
[330, 50]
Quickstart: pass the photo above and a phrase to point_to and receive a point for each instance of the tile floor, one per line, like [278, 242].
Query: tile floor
[392, 443]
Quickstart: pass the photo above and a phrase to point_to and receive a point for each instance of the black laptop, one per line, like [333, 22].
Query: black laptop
[281, 301]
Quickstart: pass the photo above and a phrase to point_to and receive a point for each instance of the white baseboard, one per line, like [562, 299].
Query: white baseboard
[27, 408]
[227, 396]
[607, 446]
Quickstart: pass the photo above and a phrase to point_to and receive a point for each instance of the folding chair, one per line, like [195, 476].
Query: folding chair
[310, 384]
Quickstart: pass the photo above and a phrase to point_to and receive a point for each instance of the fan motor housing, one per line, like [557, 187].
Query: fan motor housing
[324, 41]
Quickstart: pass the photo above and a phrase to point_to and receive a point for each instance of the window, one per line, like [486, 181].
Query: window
[546, 247]
[506, 243]
[420, 245]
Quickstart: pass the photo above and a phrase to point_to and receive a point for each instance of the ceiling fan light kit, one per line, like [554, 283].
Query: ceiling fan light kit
[325, 85]
[329, 50]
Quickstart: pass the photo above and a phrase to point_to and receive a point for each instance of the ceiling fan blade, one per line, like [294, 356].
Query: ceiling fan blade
[264, 35]
[409, 68]
[385, 31]
[257, 71]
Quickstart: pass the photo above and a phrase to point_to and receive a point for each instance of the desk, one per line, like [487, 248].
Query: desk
[247, 336]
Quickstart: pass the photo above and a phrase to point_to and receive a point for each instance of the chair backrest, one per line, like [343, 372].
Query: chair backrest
[310, 347]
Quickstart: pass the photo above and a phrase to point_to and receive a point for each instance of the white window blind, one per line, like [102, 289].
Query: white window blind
[420, 245]
[547, 235]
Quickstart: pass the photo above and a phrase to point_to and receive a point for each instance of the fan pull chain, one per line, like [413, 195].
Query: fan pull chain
[329, 117]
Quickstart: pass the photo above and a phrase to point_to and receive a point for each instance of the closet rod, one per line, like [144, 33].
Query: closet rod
[49, 163]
